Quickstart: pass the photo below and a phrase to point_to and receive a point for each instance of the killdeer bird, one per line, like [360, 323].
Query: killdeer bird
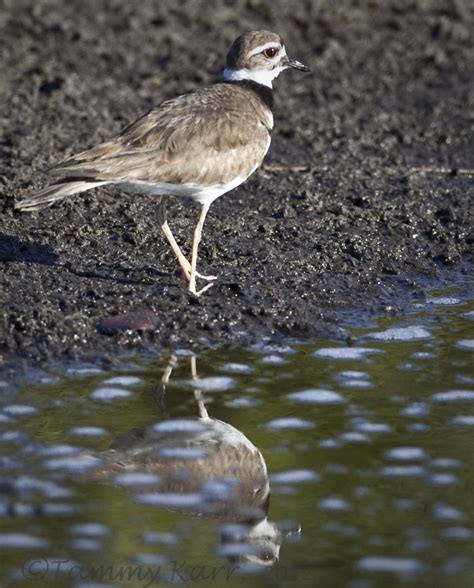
[200, 145]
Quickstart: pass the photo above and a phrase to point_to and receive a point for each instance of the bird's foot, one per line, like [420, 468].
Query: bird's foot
[202, 290]
[207, 278]
[186, 271]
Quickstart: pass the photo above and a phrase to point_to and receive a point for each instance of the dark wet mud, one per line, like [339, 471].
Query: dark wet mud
[367, 189]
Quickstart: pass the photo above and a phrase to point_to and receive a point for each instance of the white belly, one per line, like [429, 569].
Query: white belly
[205, 195]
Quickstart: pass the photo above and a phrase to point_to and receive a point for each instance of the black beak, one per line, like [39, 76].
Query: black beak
[295, 64]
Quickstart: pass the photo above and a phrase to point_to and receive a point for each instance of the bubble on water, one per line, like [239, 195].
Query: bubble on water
[160, 538]
[77, 464]
[183, 453]
[353, 437]
[356, 384]
[462, 420]
[150, 559]
[408, 367]
[59, 450]
[272, 360]
[184, 353]
[18, 509]
[179, 426]
[219, 490]
[316, 396]
[443, 479]
[446, 512]
[108, 394]
[406, 454]
[445, 463]
[463, 379]
[289, 423]
[213, 383]
[6, 386]
[423, 355]
[416, 410]
[361, 491]
[14, 437]
[123, 381]
[237, 368]
[90, 529]
[400, 565]
[454, 396]
[130, 479]
[84, 371]
[443, 300]
[466, 344]
[294, 477]
[469, 314]
[412, 333]
[47, 487]
[284, 490]
[417, 427]
[407, 471]
[334, 503]
[21, 541]
[86, 545]
[330, 443]
[40, 377]
[171, 500]
[457, 533]
[9, 462]
[57, 509]
[368, 427]
[243, 402]
[346, 353]
[19, 410]
[87, 432]
[352, 375]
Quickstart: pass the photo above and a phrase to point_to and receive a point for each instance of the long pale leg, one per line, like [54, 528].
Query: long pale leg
[160, 395]
[197, 393]
[196, 241]
[183, 262]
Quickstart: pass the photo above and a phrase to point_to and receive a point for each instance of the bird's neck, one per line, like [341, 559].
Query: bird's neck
[264, 77]
[263, 92]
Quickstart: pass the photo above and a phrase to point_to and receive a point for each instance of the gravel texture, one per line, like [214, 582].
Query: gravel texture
[367, 187]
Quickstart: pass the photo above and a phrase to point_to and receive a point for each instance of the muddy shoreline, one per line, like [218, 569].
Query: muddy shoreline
[366, 195]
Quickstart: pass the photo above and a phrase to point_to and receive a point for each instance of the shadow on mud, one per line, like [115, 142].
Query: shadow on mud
[14, 249]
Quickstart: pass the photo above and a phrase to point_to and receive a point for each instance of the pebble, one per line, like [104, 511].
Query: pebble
[138, 320]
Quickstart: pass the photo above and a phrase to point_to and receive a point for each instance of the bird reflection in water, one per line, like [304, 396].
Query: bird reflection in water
[201, 466]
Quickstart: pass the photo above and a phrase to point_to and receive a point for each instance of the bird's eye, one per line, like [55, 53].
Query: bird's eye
[270, 52]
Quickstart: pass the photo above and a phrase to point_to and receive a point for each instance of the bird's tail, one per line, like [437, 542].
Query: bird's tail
[57, 191]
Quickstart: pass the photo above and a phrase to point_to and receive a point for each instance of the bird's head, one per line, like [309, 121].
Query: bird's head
[259, 56]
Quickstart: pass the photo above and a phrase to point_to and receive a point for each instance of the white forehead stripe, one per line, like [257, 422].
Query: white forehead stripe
[268, 45]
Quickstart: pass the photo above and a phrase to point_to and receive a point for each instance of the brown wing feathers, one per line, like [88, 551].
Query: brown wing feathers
[207, 137]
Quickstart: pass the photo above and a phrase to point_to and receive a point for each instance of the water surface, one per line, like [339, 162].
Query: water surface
[368, 451]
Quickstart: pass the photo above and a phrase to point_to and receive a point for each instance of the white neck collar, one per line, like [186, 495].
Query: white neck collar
[264, 77]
